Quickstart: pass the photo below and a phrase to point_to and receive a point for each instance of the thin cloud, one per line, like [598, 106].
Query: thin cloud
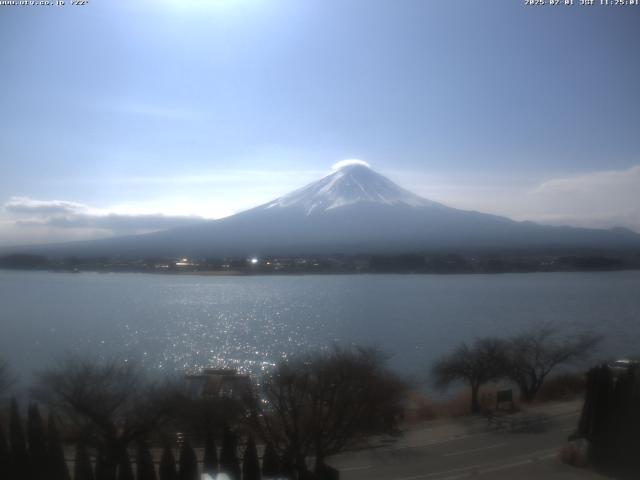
[601, 199]
[292, 178]
[150, 110]
[158, 111]
[595, 183]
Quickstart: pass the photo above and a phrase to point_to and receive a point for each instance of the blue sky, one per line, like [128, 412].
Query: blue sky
[119, 112]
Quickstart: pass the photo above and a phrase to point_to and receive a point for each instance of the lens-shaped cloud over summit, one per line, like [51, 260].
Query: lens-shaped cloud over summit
[348, 162]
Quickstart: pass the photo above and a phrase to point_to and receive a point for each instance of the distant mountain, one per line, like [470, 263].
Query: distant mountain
[354, 210]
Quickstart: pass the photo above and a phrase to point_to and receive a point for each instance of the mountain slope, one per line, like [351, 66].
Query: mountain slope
[355, 211]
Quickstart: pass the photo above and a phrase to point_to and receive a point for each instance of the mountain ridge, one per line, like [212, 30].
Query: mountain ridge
[353, 210]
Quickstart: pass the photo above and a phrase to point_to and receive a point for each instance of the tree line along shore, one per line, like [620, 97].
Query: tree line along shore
[122, 424]
[438, 263]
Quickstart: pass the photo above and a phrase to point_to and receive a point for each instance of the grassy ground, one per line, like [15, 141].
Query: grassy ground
[423, 408]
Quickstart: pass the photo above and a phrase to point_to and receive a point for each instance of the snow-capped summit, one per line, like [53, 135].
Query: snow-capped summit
[353, 182]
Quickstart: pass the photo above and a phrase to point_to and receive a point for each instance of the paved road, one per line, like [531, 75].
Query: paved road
[470, 448]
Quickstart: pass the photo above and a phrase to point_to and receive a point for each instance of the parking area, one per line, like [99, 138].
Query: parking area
[473, 447]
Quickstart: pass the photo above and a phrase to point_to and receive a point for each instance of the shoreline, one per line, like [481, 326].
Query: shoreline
[238, 273]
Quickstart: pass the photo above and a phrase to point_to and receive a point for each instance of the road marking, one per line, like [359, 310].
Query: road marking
[462, 452]
[521, 459]
[478, 434]
[516, 464]
[498, 468]
[440, 442]
[461, 472]
[351, 469]
[456, 438]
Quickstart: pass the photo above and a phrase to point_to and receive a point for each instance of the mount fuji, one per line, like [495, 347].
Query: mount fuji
[353, 210]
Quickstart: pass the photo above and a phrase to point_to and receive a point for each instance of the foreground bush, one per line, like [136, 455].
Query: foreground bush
[573, 454]
[562, 387]
[112, 404]
[526, 360]
[318, 405]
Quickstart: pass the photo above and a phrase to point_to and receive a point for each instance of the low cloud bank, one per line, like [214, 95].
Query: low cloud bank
[60, 214]
[25, 205]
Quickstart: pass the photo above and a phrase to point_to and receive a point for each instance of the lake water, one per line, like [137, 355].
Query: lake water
[172, 321]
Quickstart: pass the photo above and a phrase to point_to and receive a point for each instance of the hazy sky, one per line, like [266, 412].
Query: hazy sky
[128, 116]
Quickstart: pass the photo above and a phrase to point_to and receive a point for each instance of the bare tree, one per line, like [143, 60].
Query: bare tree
[318, 405]
[109, 404]
[476, 364]
[534, 354]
